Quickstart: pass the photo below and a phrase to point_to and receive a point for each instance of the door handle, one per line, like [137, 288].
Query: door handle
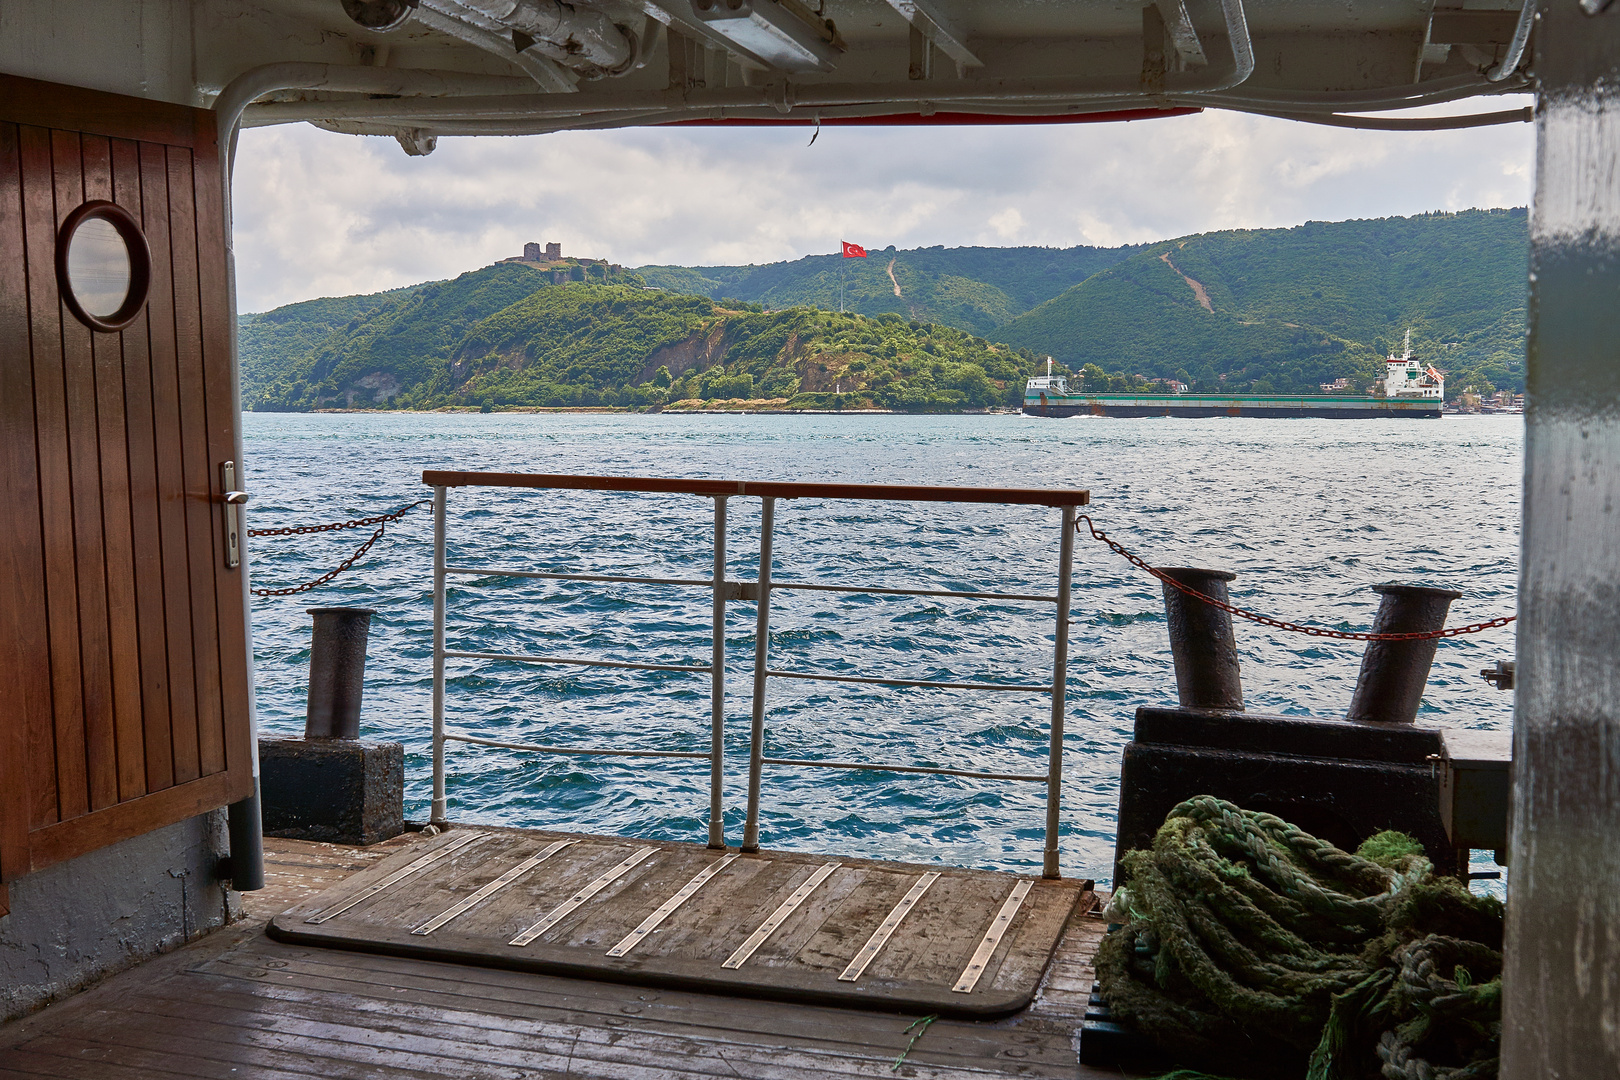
[234, 499]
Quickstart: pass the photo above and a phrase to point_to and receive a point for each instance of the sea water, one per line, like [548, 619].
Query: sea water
[1310, 514]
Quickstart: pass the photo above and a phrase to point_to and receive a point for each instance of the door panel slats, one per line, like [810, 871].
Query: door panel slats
[127, 634]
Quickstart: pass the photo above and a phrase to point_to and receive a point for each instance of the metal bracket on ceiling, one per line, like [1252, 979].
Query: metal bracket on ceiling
[937, 31]
[1183, 38]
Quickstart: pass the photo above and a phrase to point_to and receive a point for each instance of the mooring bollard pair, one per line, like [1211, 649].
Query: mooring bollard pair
[1341, 779]
[331, 785]
[1389, 688]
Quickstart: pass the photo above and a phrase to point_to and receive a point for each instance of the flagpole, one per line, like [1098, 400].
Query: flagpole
[842, 262]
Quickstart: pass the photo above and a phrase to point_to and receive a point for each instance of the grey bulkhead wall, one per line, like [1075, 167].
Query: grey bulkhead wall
[1562, 977]
[76, 922]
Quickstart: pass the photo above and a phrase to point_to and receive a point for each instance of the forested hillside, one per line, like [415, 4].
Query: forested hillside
[376, 346]
[1242, 311]
[975, 289]
[1285, 309]
[625, 345]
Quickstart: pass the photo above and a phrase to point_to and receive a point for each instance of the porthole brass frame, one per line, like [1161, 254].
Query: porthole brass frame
[140, 264]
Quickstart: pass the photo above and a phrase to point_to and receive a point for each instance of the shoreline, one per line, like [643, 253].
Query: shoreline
[634, 410]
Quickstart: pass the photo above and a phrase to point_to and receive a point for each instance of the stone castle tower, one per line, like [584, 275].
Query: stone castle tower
[532, 252]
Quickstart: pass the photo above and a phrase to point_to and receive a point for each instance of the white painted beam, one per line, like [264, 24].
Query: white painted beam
[1183, 38]
[925, 17]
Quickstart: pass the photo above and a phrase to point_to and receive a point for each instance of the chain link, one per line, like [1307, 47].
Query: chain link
[381, 521]
[1278, 624]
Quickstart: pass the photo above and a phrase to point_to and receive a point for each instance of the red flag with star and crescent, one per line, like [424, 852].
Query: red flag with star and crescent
[853, 251]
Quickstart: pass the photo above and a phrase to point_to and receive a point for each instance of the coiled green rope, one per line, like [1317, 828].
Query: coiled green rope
[1252, 948]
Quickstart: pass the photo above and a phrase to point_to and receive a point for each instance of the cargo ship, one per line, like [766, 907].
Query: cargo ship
[1409, 388]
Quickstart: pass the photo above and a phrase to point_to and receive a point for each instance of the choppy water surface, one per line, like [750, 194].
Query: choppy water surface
[1309, 514]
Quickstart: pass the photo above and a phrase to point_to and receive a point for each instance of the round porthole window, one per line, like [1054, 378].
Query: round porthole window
[103, 265]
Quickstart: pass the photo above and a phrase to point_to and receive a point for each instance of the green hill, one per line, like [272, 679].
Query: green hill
[375, 347]
[269, 341]
[975, 289]
[1294, 307]
[1245, 311]
[574, 345]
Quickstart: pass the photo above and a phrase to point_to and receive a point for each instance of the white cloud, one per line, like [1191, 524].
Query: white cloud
[319, 214]
[1007, 225]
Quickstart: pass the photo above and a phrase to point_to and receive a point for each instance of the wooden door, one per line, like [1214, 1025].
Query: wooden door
[123, 644]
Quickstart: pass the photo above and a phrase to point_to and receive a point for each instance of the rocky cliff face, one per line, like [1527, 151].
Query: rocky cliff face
[699, 352]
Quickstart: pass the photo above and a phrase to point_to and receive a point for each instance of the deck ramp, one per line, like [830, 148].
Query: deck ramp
[779, 925]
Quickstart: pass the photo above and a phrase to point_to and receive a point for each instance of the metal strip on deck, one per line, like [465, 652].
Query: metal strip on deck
[493, 887]
[992, 938]
[667, 908]
[779, 916]
[399, 875]
[663, 914]
[880, 936]
[564, 909]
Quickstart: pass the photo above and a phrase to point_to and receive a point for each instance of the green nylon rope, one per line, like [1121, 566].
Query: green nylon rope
[1249, 947]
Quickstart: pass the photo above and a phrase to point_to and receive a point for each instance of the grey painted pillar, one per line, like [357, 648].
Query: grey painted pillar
[1562, 977]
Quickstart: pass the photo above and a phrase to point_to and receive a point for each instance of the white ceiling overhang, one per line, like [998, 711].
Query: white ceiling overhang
[422, 69]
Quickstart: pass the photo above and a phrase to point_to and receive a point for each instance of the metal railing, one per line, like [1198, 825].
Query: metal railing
[759, 592]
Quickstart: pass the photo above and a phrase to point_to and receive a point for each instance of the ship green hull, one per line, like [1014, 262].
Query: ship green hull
[1196, 405]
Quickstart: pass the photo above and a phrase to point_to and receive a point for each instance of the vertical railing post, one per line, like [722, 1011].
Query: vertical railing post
[717, 684]
[762, 620]
[1060, 674]
[438, 816]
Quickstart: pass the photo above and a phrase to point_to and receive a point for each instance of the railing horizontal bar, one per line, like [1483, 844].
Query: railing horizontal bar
[1024, 687]
[498, 572]
[575, 661]
[707, 584]
[582, 750]
[912, 592]
[765, 489]
[1030, 777]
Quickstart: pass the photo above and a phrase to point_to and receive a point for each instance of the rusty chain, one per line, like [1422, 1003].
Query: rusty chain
[381, 521]
[1278, 624]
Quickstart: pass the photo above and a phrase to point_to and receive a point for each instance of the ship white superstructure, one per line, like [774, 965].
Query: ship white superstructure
[1407, 377]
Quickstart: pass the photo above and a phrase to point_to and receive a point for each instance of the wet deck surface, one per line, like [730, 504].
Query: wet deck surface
[779, 925]
[240, 1004]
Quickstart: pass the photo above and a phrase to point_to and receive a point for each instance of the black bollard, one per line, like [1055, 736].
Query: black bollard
[1207, 675]
[1393, 673]
[337, 669]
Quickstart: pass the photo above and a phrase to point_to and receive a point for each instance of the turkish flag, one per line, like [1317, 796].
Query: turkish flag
[853, 251]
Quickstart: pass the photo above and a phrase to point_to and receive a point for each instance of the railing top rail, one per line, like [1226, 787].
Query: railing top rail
[775, 489]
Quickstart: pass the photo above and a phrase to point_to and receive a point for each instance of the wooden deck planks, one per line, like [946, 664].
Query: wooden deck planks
[227, 1050]
[619, 1033]
[242, 1005]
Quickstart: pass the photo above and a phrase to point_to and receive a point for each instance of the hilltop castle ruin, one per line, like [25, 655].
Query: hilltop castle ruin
[551, 258]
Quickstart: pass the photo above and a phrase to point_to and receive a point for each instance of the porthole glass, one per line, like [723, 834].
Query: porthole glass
[98, 266]
[103, 265]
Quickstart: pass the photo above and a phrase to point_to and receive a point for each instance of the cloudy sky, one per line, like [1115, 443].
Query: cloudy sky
[319, 214]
